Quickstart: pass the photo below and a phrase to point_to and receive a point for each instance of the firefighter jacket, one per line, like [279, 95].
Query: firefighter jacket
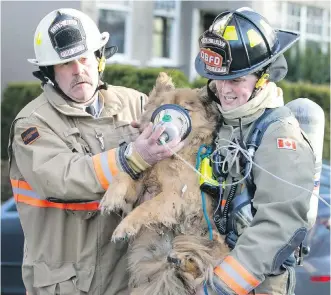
[281, 210]
[62, 160]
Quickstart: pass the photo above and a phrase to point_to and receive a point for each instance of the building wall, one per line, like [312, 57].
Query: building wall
[17, 35]
[19, 20]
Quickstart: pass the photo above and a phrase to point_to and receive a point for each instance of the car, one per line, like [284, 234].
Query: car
[312, 278]
[12, 240]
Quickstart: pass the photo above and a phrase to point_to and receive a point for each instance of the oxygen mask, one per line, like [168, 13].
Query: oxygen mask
[175, 119]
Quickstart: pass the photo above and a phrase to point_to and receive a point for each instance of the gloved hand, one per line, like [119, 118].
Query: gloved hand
[146, 145]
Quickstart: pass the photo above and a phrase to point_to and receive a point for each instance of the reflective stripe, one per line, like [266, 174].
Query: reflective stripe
[23, 193]
[234, 275]
[105, 167]
[19, 191]
[229, 281]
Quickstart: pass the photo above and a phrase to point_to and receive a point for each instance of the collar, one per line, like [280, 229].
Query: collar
[111, 100]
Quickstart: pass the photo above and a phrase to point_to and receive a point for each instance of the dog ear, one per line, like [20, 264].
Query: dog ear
[163, 83]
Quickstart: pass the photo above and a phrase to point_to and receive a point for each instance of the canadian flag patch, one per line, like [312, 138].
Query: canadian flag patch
[286, 143]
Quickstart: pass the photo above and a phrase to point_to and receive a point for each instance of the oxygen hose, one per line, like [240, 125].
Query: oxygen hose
[226, 207]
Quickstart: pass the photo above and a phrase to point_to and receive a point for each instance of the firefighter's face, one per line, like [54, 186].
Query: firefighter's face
[79, 78]
[234, 93]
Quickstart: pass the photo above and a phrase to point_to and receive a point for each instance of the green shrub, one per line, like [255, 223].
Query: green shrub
[141, 79]
[317, 93]
[17, 95]
[199, 82]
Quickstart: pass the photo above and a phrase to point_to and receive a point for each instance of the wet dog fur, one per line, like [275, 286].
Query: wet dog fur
[170, 251]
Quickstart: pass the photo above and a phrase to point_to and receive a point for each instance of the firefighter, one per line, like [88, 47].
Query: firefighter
[264, 219]
[65, 147]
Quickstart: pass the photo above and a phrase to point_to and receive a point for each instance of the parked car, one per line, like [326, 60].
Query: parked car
[312, 278]
[12, 240]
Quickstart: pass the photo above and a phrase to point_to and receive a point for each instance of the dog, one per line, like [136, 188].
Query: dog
[170, 252]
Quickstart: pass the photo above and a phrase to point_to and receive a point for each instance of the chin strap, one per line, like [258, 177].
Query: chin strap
[211, 94]
[43, 77]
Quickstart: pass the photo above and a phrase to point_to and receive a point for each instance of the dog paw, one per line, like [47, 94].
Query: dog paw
[125, 230]
[112, 204]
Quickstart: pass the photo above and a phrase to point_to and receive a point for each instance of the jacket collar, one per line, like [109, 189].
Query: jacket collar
[113, 104]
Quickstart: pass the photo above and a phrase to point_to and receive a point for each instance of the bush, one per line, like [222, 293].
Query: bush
[310, 64]
[199, 82]
[17, 95]
[141, 79]
[317, 93]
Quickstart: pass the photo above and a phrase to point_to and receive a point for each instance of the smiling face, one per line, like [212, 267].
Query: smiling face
[234, 93]
[79, 78]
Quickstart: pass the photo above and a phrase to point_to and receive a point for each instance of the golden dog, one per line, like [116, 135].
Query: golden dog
[171, 252]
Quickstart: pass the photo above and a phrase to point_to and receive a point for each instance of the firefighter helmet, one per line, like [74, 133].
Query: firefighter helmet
[239, 43]
[65, 35]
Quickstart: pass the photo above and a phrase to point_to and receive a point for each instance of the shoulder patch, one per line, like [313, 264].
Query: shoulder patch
[30, 135]
[286, 143]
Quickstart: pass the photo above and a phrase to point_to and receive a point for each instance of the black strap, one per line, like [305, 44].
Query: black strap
[211, 94]
[124, 163]
[91, 110]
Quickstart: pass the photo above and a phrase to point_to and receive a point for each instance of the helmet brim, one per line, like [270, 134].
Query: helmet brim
[103, 42]
[286, 40]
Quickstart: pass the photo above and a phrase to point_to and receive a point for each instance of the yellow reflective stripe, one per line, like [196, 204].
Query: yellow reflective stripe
[230, 33]
[254, 37]
[238, 278]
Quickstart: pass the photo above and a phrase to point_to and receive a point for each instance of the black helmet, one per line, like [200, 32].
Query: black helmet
[242, 42]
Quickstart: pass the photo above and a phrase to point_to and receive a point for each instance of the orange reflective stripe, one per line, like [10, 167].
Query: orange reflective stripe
[93, 206]
[242, 271]
[20, 184]
[98, 169]
[34, 200]
[229, 281]
[112, 162]
[105, 166]
[223, 203]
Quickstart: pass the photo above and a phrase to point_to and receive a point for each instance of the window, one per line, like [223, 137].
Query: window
[114, 18]
[165, 29]
[294, 14]
[314, 20]
[114, 23]
[162, 36]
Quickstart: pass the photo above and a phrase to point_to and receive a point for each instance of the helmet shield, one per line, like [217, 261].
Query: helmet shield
[251, 45]
[67, 36]
[215, 53]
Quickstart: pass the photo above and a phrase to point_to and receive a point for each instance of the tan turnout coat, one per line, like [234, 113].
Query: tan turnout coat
[62, 161]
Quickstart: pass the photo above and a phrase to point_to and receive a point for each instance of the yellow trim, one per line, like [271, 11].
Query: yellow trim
[102, 64]
[230, 33]
[262, 81]
[38, 39]
[254, 37]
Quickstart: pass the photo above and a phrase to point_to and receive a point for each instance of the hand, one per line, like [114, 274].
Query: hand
[139, 125]
[135, 124]
[147, 145]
